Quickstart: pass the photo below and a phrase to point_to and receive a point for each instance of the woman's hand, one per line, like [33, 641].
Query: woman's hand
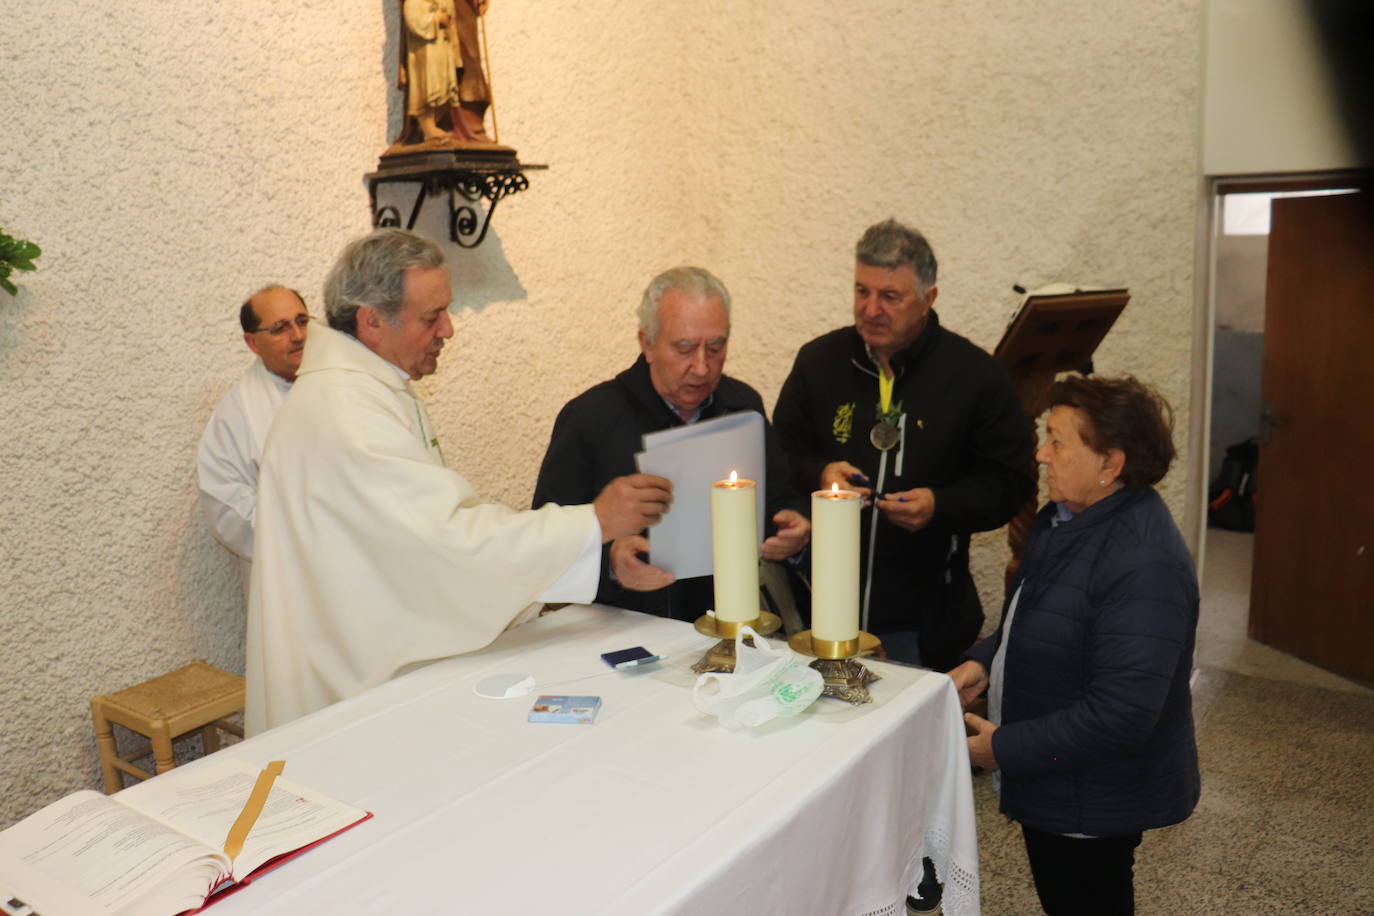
[970, 679]
[980, 743]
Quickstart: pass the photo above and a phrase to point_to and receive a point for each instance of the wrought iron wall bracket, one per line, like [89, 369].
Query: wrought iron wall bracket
[453, 174]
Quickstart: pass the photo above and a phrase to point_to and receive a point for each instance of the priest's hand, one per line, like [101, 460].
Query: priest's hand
[910, 509]
[846, 475]
[980, 742]
[794, 533]
[631, 571]
[970, 679]
[630, 504]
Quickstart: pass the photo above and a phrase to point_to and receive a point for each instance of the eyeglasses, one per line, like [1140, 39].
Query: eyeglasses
[281, 327]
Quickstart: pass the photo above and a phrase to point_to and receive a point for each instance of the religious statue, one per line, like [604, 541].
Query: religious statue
[441, 72]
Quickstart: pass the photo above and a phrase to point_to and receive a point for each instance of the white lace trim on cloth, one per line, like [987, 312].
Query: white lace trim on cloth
[961, 891]
[892, 909]
[961, 887]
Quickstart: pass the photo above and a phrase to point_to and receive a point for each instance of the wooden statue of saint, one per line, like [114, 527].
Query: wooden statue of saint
[441, 73]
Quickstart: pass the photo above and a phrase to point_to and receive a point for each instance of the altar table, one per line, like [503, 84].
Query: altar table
[653, 809]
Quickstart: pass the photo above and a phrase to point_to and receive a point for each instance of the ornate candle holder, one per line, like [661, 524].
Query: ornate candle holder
[838, 662]
[721, 656]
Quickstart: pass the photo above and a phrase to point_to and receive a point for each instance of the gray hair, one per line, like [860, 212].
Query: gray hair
[890, 244]
[696, 282]
[371, 271]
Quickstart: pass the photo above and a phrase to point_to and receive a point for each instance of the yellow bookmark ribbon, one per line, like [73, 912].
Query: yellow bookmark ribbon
[885, 383]
[233, 843]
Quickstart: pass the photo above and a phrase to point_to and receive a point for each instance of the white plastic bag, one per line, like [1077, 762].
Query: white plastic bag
[767, 683]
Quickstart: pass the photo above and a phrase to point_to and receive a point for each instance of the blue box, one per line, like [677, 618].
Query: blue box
[572, 710]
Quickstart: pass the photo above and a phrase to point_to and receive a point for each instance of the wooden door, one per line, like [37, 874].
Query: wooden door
[1312, 590]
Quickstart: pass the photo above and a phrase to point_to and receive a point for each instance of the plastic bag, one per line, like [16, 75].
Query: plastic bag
[767, 683]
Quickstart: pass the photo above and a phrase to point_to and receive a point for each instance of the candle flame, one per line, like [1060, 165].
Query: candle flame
[734, 478]
[834, 488]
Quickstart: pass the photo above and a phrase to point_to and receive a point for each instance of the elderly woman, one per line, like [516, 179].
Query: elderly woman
[1090, 719]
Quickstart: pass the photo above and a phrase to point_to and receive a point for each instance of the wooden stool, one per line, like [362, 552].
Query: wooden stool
[198, 696]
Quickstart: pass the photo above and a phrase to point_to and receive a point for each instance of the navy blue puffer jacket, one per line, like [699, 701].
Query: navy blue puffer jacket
[1097, 724]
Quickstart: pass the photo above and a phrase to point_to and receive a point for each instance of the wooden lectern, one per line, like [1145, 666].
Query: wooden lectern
[1051, 333]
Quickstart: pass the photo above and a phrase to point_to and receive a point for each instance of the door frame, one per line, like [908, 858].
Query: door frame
[1212, 189]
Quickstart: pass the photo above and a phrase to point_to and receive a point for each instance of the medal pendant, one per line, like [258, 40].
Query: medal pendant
[884, 436]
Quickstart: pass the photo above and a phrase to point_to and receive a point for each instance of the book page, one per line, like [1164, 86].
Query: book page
[693, 457]
[89, 854]
[205, 809]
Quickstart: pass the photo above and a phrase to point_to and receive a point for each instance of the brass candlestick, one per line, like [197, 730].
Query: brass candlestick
[721, 656]
[838, 662]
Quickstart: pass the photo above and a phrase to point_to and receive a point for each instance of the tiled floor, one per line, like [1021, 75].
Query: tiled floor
[1286, 821]
[1221, 639]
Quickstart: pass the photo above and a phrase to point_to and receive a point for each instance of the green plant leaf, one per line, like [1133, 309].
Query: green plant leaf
[15, 254]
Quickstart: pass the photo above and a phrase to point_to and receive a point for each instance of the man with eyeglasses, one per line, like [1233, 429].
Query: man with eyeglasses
[275, 322]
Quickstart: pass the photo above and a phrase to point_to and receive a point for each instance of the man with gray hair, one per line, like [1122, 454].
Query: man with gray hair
[684, 331]
[897, 407]
[373, 557]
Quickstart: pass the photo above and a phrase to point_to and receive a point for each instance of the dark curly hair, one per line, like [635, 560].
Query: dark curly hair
[1122, 413]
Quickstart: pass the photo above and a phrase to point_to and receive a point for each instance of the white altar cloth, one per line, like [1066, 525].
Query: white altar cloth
[652, 809]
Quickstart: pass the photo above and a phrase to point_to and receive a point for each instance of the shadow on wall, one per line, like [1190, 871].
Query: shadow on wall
[391, 54]
[480, 275]
[12, 309]
[209, 610]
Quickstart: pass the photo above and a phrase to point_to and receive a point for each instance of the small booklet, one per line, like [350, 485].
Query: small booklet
[570, 710]
[154, 850]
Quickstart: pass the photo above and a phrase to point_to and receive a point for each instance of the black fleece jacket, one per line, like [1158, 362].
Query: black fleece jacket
[595, 439]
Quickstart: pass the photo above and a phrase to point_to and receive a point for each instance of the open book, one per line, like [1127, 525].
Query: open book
[157, 849]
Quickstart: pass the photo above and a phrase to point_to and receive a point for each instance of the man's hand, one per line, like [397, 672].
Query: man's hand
[970, 679]
[911, 509]
[794, 533]
[630, 504]
[844, 474]
[631, 571]
[980, 745]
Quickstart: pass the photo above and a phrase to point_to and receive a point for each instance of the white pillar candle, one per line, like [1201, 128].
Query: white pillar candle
[835, 564]
[735, 549]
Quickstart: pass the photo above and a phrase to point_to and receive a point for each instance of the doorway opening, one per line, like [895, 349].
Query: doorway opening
[1238, 265]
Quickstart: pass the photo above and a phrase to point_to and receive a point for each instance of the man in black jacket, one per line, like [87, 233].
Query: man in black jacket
[959, 450]
[684, 329]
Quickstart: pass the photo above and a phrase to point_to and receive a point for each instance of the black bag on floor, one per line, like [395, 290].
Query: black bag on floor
[1231, 497]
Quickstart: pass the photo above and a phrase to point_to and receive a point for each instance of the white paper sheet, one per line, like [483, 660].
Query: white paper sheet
[693, 457]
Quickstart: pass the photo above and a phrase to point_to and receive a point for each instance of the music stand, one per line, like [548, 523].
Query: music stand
[1058, 333]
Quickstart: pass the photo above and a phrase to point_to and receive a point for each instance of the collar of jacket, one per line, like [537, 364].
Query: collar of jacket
[1101, 511]
[637, 381]
[903, 360]
[326, 348]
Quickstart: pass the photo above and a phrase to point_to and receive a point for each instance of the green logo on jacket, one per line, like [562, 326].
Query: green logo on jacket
[843, 424]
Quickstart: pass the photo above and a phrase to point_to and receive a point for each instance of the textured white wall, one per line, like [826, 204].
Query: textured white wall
[1032, 141]
[1270, 102]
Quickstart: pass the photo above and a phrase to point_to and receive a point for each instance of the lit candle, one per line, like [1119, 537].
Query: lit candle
[835, 571]
[735, 552]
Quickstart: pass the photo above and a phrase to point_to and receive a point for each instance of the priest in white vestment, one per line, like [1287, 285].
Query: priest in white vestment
[274, 322]
[372, 556]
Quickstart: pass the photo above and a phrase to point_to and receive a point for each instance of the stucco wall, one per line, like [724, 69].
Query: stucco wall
[169, 165]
